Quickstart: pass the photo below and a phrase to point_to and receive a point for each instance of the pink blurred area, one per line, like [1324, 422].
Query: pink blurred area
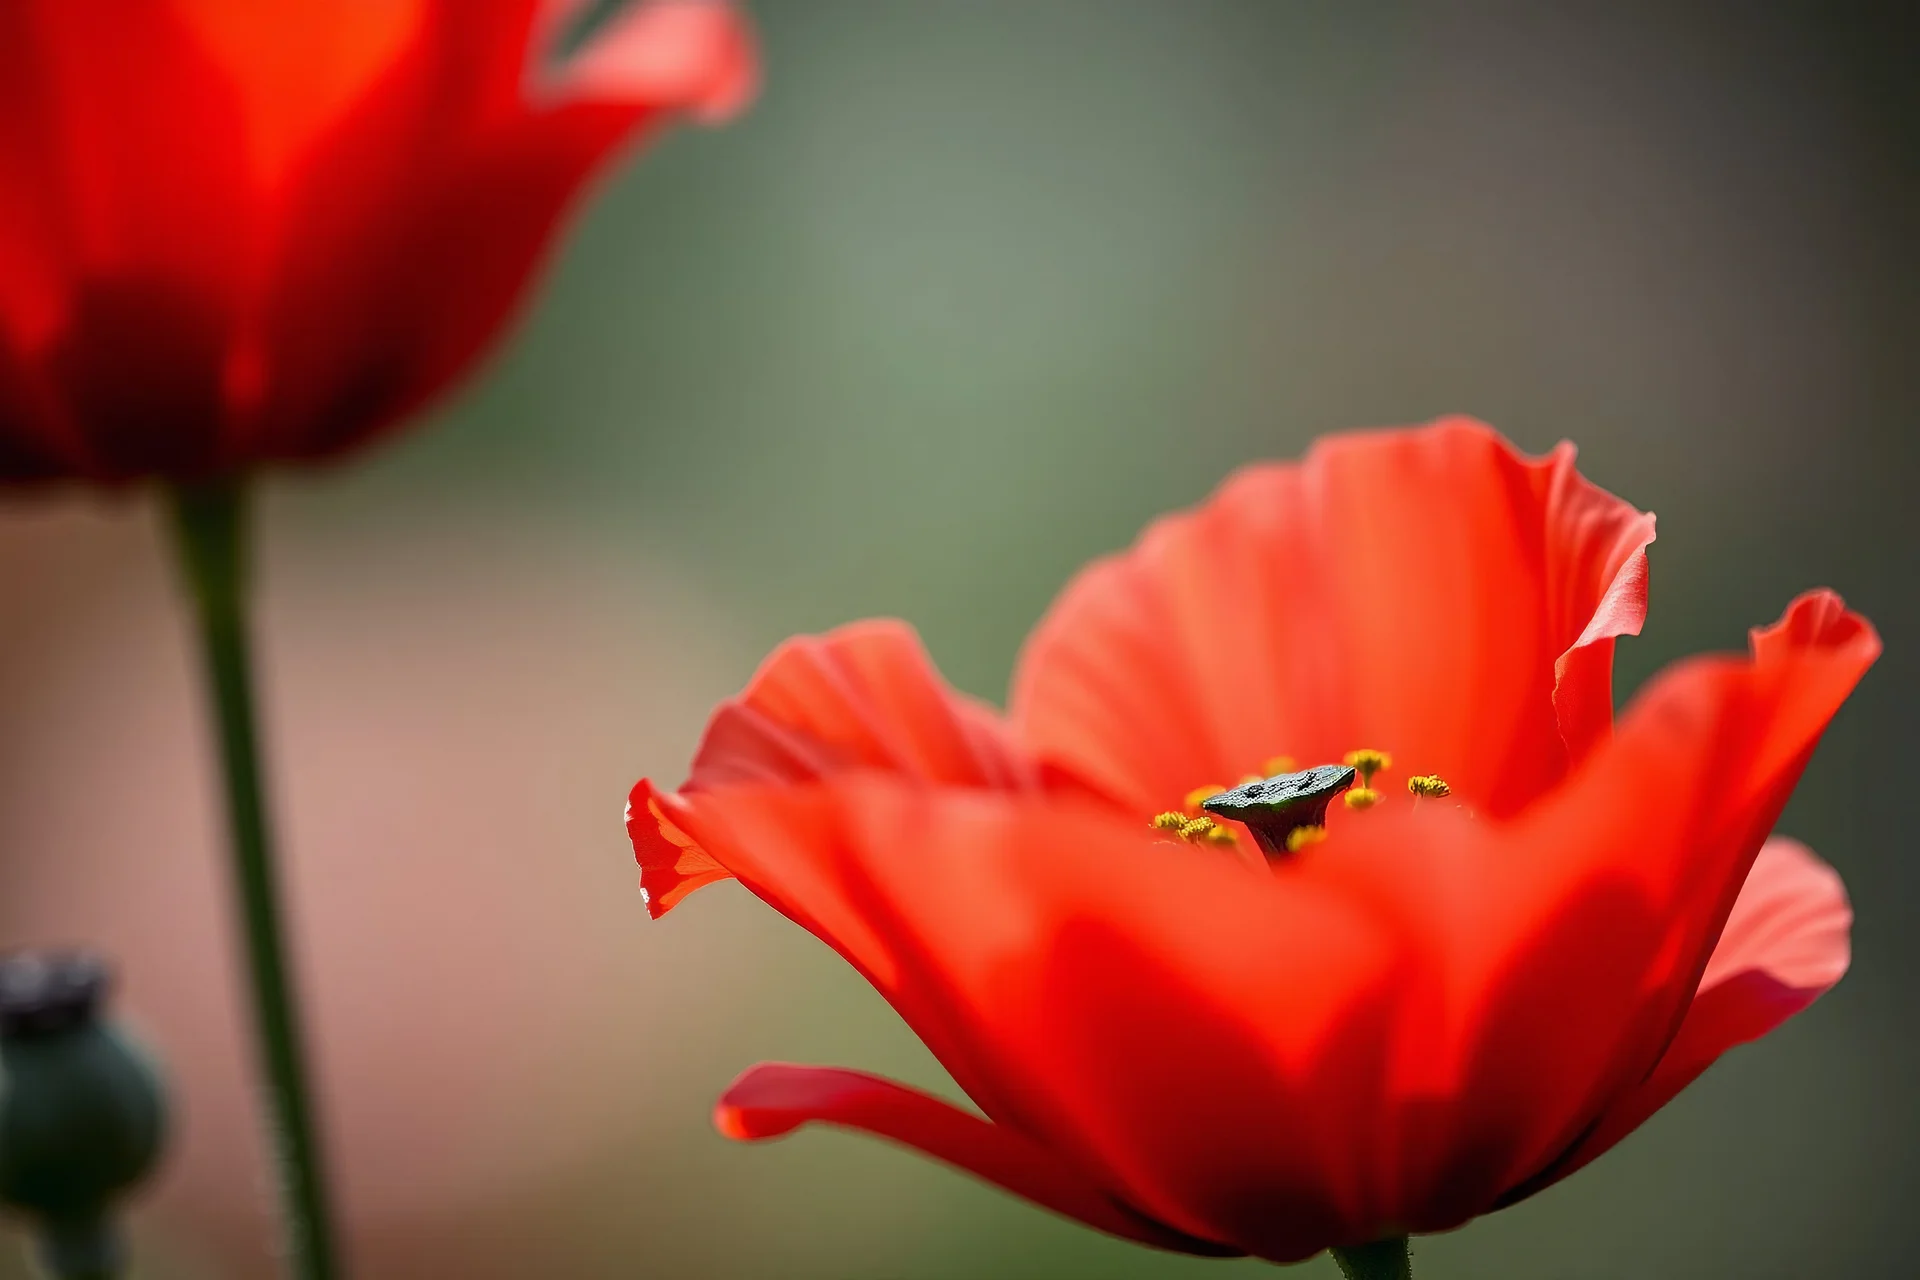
[453, 720]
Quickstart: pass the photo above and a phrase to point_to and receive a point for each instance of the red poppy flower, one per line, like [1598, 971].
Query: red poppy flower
[234, 232]
[1522, 935]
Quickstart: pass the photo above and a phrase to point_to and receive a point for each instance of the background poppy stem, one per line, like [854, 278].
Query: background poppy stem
[210, 523]
[1381, 1260]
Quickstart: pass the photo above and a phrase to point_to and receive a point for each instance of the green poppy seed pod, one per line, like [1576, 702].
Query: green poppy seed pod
[81, 1111]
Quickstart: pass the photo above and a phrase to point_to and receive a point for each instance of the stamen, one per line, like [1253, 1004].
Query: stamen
[1300, 837]
[1430, 786]
[1278, 764]
[1194, 828]
[1368, 762]
[1274, 808]
[1361, 798]
[1200, 795]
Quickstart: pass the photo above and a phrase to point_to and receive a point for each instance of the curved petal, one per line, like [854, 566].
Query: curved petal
[298, 65]
[125, 215]
[123, 143]
[865, 696]
[417, 225]
[1208, 1066]
[773, 1099]
[652, 62]
[672, 863]
[695, 55]
[1426, 591]
[1784, 945]
[1560, 951]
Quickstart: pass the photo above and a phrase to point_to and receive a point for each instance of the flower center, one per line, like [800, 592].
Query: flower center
[1286, 810]
[1276, 809]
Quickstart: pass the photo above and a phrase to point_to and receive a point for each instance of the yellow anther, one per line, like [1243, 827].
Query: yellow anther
[1170, 821]
[1200, 795]
[1278, 765]
[1195, 828]
[1362, 798]
[1219, 835]
[1251, 777]
[1429, 785]
[1367, 762]
[1300, 837]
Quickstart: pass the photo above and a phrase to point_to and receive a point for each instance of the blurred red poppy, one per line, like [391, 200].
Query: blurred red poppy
[235, 232]
[1519, 933]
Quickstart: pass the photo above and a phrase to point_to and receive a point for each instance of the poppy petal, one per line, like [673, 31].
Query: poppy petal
[1427, 591]
[1374, 1037]
[694, 55]
[864, 696]
[125, 222]
[647, 64]
[123, 147]
[1786, 943]
[1606, 900]
[773, 1099]
[1199, 1040]
[299, 64]
[672, 863]
[387, 284]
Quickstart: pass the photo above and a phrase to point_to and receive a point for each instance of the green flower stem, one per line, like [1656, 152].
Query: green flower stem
[1381, 1260]
[210, 521]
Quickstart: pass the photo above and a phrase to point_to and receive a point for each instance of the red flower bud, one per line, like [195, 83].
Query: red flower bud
[235, 233]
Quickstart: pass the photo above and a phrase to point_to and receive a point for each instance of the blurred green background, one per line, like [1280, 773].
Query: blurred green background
[976, 289]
